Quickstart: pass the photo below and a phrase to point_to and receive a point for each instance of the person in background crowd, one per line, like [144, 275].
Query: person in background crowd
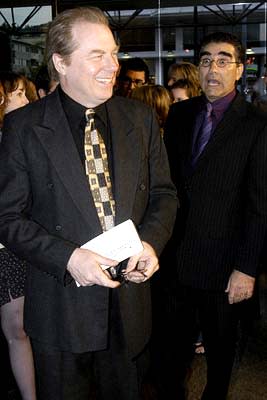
[44, 84]
[157, 97]
[31, 92]
[179, 90]
[93, 335]
[218, 162]
[13, 270]
[2, 108]
[133, 73]
[184, 70]
[183, 89]
[259, 98]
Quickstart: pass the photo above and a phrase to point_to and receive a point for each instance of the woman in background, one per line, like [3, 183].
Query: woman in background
[31, 92]
[184, 70]
[13, 270]
[183, 89]
[157, 97]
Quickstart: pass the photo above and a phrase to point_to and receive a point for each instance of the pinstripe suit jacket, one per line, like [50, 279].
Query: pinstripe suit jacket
[222, 220]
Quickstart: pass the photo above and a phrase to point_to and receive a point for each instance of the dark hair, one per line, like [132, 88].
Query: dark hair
[192, 90]
[42, 79]
[181, 84]
[225, 37]
[134, 64]
[11, 80]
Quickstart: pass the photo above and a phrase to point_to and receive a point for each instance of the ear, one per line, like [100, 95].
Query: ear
[239, 71]
[2, 100]
[59, 63]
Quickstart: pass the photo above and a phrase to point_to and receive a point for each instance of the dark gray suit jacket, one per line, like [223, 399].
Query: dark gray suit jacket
[46, 211]
[222, 220]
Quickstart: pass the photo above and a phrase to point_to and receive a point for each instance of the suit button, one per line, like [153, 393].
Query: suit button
[50, 186]
[142, 186]
[187, 186]
[58, 227]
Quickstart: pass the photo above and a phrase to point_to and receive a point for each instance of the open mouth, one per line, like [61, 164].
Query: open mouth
[105, 81]
[213, 82]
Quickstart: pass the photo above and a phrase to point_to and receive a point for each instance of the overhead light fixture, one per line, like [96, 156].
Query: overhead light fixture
[170, 54]
[126, 55]
[250, 51]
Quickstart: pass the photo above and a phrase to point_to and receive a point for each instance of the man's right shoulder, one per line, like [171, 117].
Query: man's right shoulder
[128, 104]
[185, 108]
[29, 112]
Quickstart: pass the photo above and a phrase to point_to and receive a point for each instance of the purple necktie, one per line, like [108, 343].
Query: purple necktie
[203, 135]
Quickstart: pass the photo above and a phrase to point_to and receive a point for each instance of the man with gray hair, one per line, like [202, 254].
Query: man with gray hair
[73, 165]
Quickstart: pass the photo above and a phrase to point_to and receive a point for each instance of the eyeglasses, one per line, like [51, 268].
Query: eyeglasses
[220, 62]
[128, 81]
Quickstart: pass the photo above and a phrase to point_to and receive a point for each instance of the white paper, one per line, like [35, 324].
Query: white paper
[118, 243]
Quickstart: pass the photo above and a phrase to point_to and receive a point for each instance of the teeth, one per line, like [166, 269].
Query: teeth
[104, 80]
[213, 82]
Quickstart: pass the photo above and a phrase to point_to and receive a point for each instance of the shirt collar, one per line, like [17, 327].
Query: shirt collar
[220, 105]
[76, 111]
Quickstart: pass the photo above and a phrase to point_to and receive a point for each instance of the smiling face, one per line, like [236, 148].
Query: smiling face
[89, 74]
[17, 98]
[217, 82]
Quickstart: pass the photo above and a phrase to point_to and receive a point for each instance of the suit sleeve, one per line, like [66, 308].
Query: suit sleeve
[253, 234]
[159, 218]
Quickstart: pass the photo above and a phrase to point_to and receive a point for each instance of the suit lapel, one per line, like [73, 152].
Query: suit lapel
[126, 160]
[57, 140]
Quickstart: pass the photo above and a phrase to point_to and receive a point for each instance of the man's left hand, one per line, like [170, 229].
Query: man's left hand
[143, 265]
[240, 287]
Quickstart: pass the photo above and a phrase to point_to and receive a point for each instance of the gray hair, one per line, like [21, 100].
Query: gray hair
[59, 36]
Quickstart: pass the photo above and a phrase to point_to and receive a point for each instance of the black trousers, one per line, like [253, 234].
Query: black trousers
[109, 374]
[175, 326]
[102, 375]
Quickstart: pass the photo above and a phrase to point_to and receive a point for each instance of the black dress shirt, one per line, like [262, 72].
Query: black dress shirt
[75, 114]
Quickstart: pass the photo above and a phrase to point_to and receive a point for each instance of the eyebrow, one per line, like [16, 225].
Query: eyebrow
[221, 53]
[101, 51]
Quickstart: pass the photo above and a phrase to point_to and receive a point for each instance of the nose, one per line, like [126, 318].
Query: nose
[113, 63]
[25, 100]
[213, 65]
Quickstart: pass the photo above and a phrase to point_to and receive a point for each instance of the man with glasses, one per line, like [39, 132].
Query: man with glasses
[217, 147]
[134, 73]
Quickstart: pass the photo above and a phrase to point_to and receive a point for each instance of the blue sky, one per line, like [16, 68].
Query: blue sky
[20, 13]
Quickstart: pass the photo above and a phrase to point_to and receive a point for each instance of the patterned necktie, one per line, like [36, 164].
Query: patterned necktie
[97, 171]
[204, 134]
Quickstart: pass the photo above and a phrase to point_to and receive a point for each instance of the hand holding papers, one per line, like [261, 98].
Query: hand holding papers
[118, 243]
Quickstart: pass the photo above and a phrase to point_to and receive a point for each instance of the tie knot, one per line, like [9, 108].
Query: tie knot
[89, 114]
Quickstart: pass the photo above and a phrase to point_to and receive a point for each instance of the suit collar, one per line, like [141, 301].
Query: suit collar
[55, 136]
[126, 157]
[226, 127]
